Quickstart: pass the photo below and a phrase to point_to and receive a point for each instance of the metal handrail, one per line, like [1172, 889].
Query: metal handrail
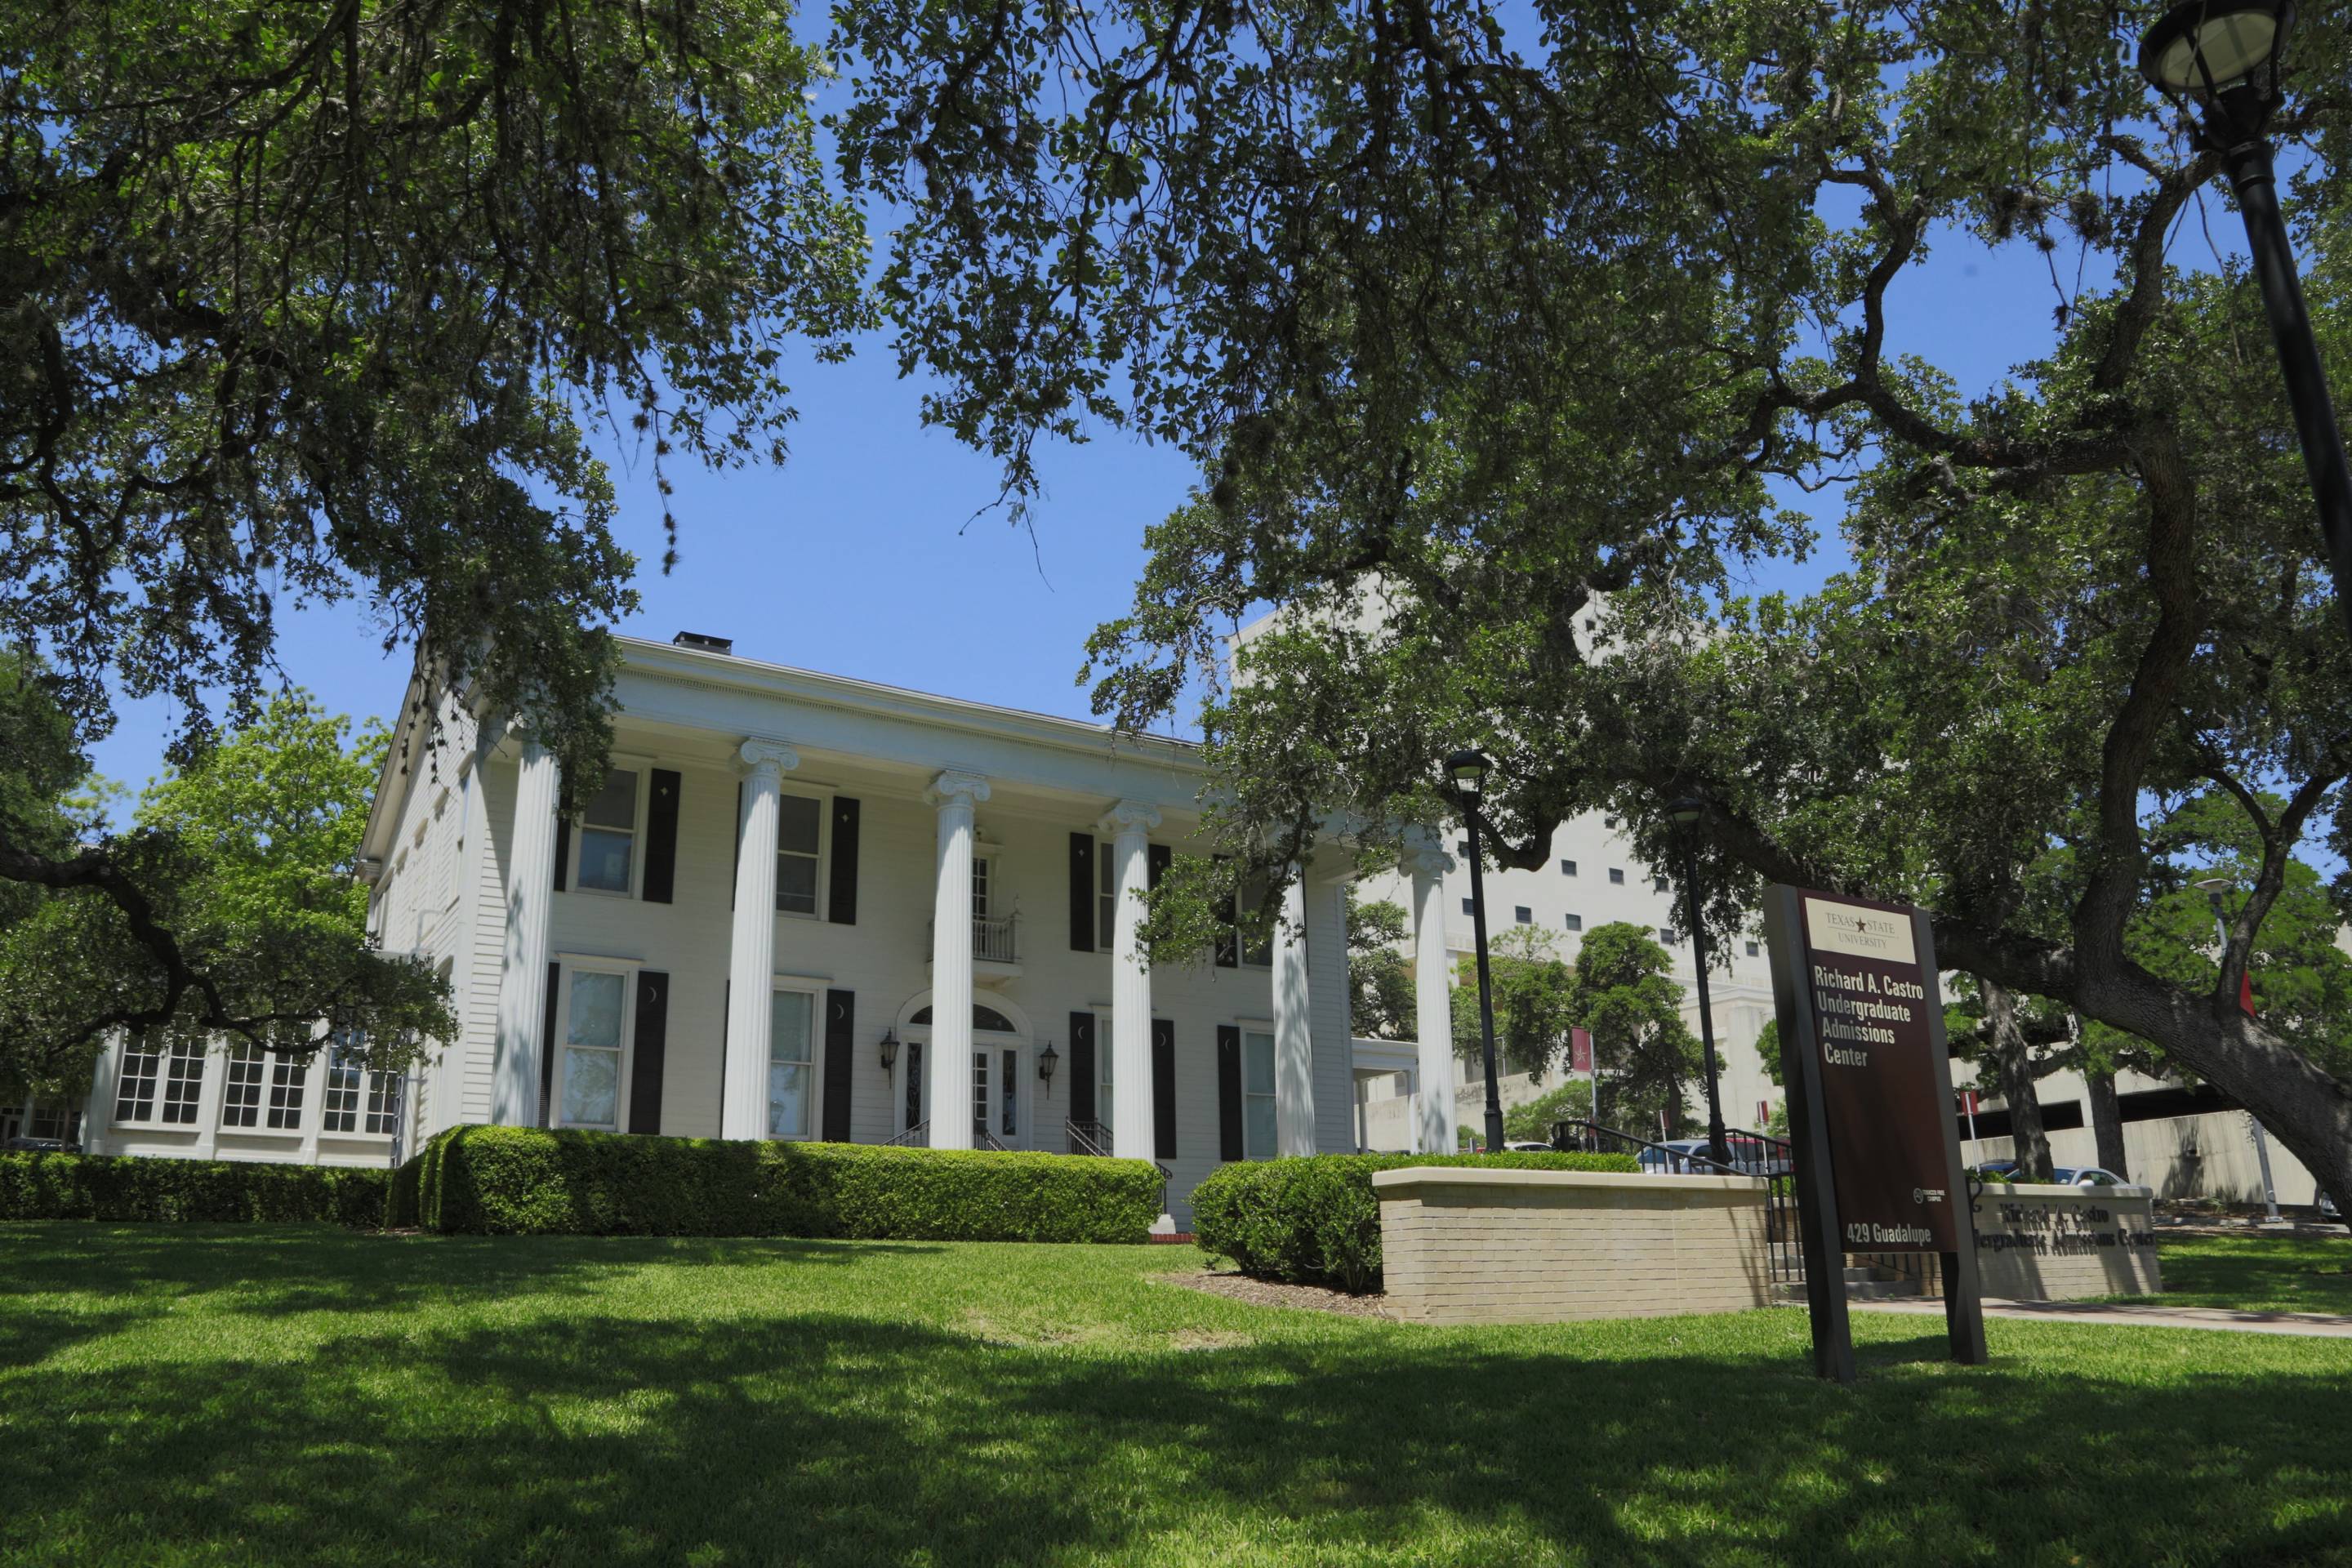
[1088, 1137]
[1783, 1256]
[918, 1136]
[995, 939]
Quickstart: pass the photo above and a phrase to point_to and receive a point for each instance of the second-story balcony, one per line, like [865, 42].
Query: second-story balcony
[995, 947]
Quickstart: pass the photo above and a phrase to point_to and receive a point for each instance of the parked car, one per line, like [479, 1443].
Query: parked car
[1525, 1146]
[41, 1146]
[2087, 1176]
[1997, 1170]
[2327, 1209]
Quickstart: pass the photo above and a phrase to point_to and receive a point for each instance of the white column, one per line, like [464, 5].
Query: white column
[1294, 1035]
[98, 1113]
[1432, 1007]
[752, 951]
[522, 982]
[947, 1063]
[1128, 826]
[208, 1100]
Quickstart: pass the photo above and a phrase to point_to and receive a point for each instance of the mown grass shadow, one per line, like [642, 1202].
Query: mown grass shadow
[832, 1439]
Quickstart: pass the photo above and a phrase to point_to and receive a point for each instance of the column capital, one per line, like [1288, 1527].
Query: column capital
[954, 787]
[1127, 816]
[757, 755]
[1428, 860]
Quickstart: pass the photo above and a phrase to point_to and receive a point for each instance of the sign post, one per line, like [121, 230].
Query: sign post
[1870, 1097]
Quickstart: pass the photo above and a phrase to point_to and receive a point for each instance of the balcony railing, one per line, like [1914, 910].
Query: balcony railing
[995, 939]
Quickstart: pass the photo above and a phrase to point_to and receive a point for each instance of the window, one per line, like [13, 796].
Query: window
[1616, 876]
[608, 834]
[339, 1112]
[241, 1089]
[1461, 848]
[1668, 936]
[1257, 949]
[799, 820]
[980, 1098]
[180, 1071]
[1575, 922]
[1105, 896]
[1753, 951]
[383, 1104]
[286, 1080]
[1258, 1121]
[1469, 906]
[1524, 915]
[792, 1063]
[589, 1094]
[1568, 868]
[134, 1094]
[1006, 1111]
[980, 879]
[1102, 1069]
[54, 1119]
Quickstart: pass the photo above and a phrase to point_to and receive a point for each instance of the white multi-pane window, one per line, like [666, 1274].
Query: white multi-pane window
[289, 1077]
[1105, 896]
[340, 1111]
[382, 1116]
[248, 1069]
[134, 1088]
[608, 834]
[979, 1075]
[1574, 923]
[1258, 1124]
[159, 1083]
[800, 826]
[792, 1063]
[589, 1092]
[981, 867]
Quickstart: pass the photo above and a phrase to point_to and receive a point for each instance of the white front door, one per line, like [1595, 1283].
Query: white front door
[1000, 1100]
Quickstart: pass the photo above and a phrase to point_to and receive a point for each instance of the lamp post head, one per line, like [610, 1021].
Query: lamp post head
[1687, 812]
[1467, 768]
[2222, 55]
[890, 1049]
[1048, 1060]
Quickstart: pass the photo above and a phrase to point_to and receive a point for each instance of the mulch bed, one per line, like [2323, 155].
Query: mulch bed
[1266, 1293]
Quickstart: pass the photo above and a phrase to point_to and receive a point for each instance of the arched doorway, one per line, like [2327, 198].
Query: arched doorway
[1003, 1115]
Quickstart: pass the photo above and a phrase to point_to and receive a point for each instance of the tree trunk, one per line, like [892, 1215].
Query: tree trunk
[2107, 1122]
[2029, 1144]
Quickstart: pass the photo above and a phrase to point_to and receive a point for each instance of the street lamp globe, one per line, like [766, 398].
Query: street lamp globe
[1468, 770]
[1685, 811]
[2202, 51]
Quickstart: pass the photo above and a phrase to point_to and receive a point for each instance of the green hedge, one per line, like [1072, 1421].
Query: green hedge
[1315, 1221]
[110, 1187]
[524, 1180]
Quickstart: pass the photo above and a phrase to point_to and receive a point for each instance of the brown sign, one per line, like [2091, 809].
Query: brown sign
[1882, 1102]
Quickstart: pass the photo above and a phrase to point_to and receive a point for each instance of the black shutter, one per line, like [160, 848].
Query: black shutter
[1229, 941]
[914, 1049]
[840, 1030]
[661, 837]
[1156, 858]
[1230, 1143]
[652, 1048]
[1163, 1088]
[547, 1041]
[842, 897]
[563, 849]
[1083, 1077]
[735, 877]
[1082, 892]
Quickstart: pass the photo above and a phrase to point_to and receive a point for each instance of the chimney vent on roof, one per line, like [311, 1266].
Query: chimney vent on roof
[704, 641]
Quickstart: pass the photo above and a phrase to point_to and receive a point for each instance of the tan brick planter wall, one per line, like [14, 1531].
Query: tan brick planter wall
[1462, 1245]
[2042, 1242]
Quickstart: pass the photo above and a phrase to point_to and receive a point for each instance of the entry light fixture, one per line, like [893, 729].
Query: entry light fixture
[890, 1049]
[1048, 1060]
[1685, 811]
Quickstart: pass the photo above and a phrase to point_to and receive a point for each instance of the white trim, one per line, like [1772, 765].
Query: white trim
[591, 960]
[640, 769]
[814, 1104]
[823, 796]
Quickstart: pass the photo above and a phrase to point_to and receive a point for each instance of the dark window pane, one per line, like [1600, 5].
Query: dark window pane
[615, 804]
[796, 821]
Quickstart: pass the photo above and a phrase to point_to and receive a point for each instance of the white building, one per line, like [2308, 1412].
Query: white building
[801, 906]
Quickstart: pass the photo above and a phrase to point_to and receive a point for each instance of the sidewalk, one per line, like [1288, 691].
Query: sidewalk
[2321, 1325]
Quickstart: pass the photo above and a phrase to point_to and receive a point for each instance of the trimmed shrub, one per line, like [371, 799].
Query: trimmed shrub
[1314, 1220]
[126, 1187]
[525, 1181]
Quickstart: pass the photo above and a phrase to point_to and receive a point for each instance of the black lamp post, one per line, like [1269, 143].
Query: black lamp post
[1469, 772]
[1048, 1060]
[890, 1049]
[2223, 56]
[1686, 813]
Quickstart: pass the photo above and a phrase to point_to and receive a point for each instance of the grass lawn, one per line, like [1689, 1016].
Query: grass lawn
[251, 1394]
[2255, 1273]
